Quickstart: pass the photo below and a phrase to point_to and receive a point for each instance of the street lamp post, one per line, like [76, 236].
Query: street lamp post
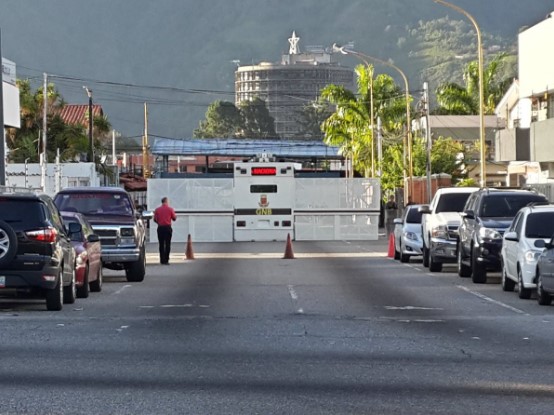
[483, 179]
[407, 137]
[90, 155]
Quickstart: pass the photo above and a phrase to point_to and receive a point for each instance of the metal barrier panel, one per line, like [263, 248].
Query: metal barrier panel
[323, 208]
[337, 193]
[204, 208]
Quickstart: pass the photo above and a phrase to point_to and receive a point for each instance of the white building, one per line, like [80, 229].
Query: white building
[528, 107]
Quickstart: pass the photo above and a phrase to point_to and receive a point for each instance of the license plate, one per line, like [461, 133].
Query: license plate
[2, 281]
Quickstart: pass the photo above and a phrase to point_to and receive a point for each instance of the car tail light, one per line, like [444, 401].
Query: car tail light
[43, 235]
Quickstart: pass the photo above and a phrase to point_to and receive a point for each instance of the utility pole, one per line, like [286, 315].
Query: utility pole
[3, 137]
[90, 156]
[145, 169]
[379, 148]
[428, 138]
[43, 156]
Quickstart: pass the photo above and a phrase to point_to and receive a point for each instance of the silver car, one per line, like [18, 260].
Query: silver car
[408, 239]
[545, 274]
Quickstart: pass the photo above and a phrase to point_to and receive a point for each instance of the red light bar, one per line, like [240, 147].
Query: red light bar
[264, 171]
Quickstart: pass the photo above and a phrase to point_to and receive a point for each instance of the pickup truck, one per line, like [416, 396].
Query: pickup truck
[440, 222]
[117, 222]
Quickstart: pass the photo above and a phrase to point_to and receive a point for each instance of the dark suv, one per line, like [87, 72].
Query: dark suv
[487, 214]
[36, 254]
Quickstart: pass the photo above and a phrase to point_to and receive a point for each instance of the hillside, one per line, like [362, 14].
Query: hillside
[189, 46]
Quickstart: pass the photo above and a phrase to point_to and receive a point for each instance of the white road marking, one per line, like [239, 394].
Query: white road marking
[293, 294]
[490, 300]
[122, 289]
[122, 328]
[411, 307]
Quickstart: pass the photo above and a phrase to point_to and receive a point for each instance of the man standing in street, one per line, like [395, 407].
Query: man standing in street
[163, 216]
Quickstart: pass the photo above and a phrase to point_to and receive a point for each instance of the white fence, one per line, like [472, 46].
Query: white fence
[324, 208]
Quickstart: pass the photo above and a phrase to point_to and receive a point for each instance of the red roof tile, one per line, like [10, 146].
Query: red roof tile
[78, 114]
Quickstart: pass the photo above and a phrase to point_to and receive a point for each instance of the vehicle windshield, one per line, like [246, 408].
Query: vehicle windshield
[506, 206]
[413, 216]
[94, 203]
[540, 225]
[452, 202]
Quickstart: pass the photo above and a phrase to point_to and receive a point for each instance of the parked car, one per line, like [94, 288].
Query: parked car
[522, 245]
[408, 239]
[88, 256]
[36, 255]
[487, 214]
[440, 226]
[545, 273]
[114, 218]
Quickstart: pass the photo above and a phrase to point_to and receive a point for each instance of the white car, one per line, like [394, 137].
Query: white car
[408, 239]
[520, 249]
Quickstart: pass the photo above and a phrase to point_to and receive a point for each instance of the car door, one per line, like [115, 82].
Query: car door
[466, 226]
[547, 268]
[94, 250]
[511, 247]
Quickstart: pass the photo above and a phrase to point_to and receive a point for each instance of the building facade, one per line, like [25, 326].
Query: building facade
[528, 106]
[287, 87]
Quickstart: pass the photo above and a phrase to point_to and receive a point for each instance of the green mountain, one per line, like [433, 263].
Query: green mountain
[180, 55]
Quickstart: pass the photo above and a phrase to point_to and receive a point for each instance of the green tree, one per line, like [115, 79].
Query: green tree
[256, 121]
[455, 99]
[223, 120]
[349, 126]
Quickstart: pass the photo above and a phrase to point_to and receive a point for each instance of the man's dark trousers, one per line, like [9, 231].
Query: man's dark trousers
[164, 238]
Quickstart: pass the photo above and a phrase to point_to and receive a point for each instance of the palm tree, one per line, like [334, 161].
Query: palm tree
[455, 99]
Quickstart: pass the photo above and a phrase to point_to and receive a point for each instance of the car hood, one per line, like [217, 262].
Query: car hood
[496, 223]
[413, 227]
[110, 220]
[449, 218]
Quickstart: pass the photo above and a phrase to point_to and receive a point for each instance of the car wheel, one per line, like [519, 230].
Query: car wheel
[70, 291]
[464, 271]
[543, 298]
[403, 257]
[434, 266]
[83, 290]
[524, 293]
[96, 285]
[54, 296]
[478, 271]
[425, 257]
[8, 243]
[135, 272]
[507, 283]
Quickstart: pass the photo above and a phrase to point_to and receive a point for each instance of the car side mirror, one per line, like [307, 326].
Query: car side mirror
[511, 236]
[74, 228]
[93, 238]
[469, 214]
[424, 209]
[147, 214]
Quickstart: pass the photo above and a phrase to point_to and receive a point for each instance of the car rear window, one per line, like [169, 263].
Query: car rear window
[413, 216]
[22, 214]
[507, 206]
[539, 225]
[94, 203]
[452, 202]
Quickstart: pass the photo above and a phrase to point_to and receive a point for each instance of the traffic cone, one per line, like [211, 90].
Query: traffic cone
[189, 254]
[288, 250]
[391, 246]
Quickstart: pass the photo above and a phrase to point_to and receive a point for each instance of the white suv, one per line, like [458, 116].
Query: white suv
[520, 251]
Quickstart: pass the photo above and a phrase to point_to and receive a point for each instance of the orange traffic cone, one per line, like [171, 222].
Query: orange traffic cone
[391, 246]
[288, 250]
[189, 254]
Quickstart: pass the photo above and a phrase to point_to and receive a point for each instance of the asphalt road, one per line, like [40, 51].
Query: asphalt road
[340, 329]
